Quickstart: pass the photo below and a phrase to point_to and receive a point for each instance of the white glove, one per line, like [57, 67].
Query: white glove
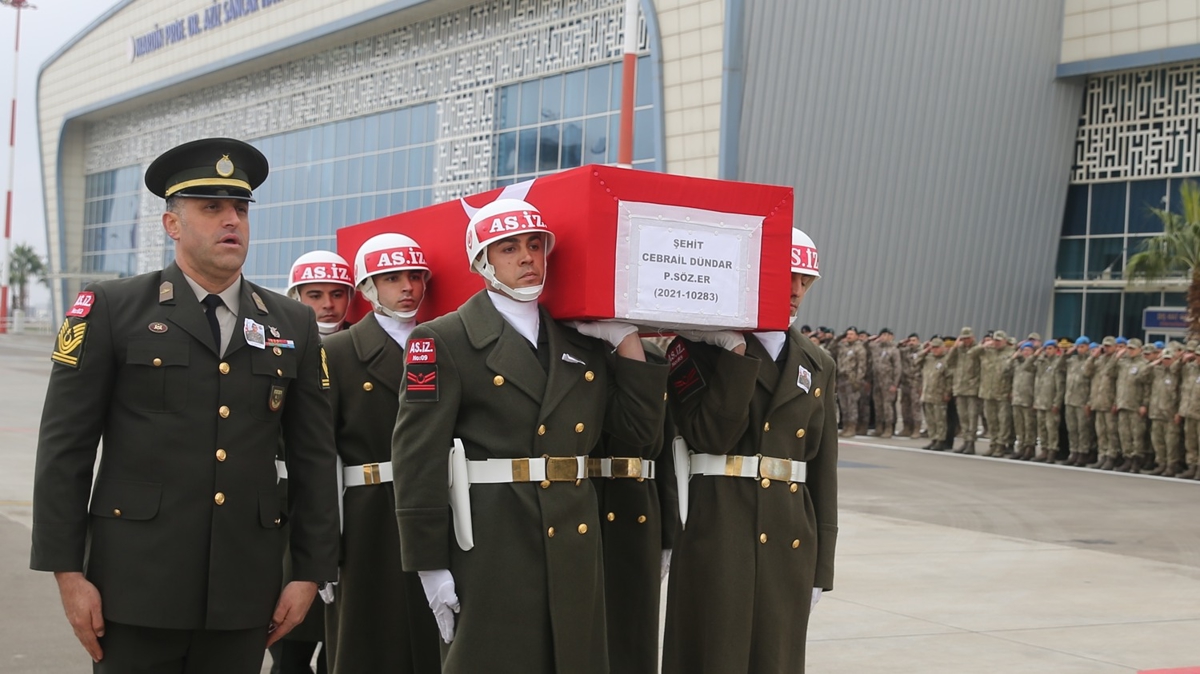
[612, 332]
[325, 592]
[666, 563]
[439, 590]
[726, 339]
[815, 598]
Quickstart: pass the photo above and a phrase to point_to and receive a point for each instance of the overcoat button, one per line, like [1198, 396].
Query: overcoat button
[545, 484]
[800, 433]
[817, 393]
[589, 375]
[542, 429]
[157, 362]
[116, 512]
[223, 368]
[795, 543]
[641, 519]
[550, 532]
[223, 410]
[762, 538]
[578, 428]
[795, 487]
[277, 351]
[583, 528]
[221, 455]
[612, 516]
[766, 427]
[367, 386]
[277, 521]
[498, 380]
[765, 483]
[278, 373]
[219, 498]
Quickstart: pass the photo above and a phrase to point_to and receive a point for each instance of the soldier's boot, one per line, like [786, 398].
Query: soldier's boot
[1098, 462]
[930, 445]
[847, 432]
[1071, 459]
[1136, 466]
[916, 434]
[862, 429]
[1123, 464]
[940, 446]
[1173, 469]
[1187, 473]
[1157, 470]
[1196, 476]
[907, 430]
[887, 433]
[968, 447]
[991, 450]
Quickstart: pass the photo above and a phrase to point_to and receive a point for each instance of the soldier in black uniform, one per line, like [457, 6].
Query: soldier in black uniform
[191, 376]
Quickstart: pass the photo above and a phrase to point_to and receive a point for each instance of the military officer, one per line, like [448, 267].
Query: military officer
[320, 280]
[1024, 417]
[1075, 400]
[1163, 411]
[852, 371]
[526, 398]
[935, 392]
[378, 620]
[963, 360]
[910, 386]
[1130, 408]
[993, 394]
[1101, 367]
[1049, 384]
[762, 525]
[191, 375]
[886, 368]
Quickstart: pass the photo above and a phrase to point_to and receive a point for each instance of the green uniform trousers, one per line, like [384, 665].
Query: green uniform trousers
[1026, 425]
[1132, 429]
[999, 421]
[1164, 437]
[935, 419]
[1079, 430]
[1047, 426]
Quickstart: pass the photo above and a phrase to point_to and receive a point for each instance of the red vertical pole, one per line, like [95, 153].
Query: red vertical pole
[628, 85]
[6, 269]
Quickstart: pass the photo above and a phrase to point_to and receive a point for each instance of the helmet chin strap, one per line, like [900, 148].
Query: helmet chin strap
[328, 328]
[367, 288]
[488, 272]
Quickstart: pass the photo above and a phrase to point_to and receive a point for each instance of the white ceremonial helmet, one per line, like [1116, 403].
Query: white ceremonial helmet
[503, 219]
[319, 266]
[804, 254]
[385, 254]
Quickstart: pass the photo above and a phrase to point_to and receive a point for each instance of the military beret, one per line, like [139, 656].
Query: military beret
[1051, 344]
[209, 167]
[914, 336]
[1094, 345]
[1000, 334]
[1109, 341]
[1026, 344]
[1122, 340]
[805, 328]
[886, 331]
[1134, 343]
[1082, 340]
[966, 332]
[851, 328]
[1158, 344]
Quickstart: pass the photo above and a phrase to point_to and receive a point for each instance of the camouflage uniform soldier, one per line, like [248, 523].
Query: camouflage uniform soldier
[886, 366]
[851, 369]
[910, 386]
[935, 393]
[1048, 385]
[1189, 410]
[964, 360]
[1130, 408]
[867, 388]
[1024, 419]
[994, 394]
[1101, 366]
[1079, 389]
[1164, 407]
[1007, 427]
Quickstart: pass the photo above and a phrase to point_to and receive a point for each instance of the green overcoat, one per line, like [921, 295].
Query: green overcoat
[751, 553]
[379, 620]
[183, 527]
[531, 590]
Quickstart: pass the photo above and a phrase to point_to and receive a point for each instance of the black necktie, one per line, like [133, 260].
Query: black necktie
[211, 303]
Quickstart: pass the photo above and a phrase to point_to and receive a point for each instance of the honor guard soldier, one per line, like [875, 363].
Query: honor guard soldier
[759, 538]
[378, 621]
[320, 280]
[515, 402]
[191, 376]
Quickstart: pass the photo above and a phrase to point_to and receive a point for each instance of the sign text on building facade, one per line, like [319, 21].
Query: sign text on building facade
[215, 15]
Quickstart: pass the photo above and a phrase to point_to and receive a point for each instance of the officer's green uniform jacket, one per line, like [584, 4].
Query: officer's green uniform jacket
[531, 590]
[638, 520]
[1132, 379]
[1023, 380]
[1163, 391]
[936, 375]
[183, 530]
[1050, 380]
[745, 565]
[379, 620]
[1102, 393]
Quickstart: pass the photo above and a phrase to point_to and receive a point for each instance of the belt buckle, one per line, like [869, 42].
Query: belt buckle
[594, 468]
[775, 469]
[520, 470]
[627, 467]
[371, 473]
[562, 469]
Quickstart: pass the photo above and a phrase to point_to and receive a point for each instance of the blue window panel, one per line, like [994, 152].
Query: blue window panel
[643, 135]
[597, 89]
[413, 200]
[431, 122]
[329, 147]
[506, 153]
[353, 175]
[396, 202]
[530, 93]
[505, 182]
[383, 172]
[1144, 195]
[369, 174]
[366, 209]
[1131, 317]
[427, 197]
[416, 167]
[552, 89]
[574, 92]
[327, 180]
[341, 138]
[644, 95]
[548, 143]
[506, 114]
[303, 146]
[325, 224]
[615, 85]
[1176, 197]
[312, 225]
[430, 163]
[316, 139]
[417, 126]
[339, 177]
[1104, 257]
[337, 213]
[1108, 208]
[381, 206]
[1174, 299]
[1070, 259]
[401, 136]
[313, 181]
[1133, 246]
[1068, 313]
[352, 215]
[371, 132]
[289, 149]
[527, 142]
[387, 123]
[399, 169]
[357, 127]
[596, 141]
[572, 144]
[1075, 213]
[614, 136]
[289, 185]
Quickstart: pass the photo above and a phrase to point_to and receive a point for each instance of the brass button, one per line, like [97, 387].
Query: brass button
[765, 483]
[223, 368]
[795, 487]
[223, 410]
[157, 362]
[583, 528]
[498, 380]
[641, 519]
[612, 516]
[221, 455]
[795, 543]
[278, 373]
[542, 429]
[219, 498]
[664, 395]
[550, 532]
[817, 393]
[800, 433]
[116, 512]
[766, 427]
[277, 521]
[578, 482]
[545, 484]
[762, 538]
[589, 375]
[579, 428]
[277, 351]
[367, 386]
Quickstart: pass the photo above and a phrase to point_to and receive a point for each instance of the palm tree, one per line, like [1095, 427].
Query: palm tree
[25, 265]
[1175, 252]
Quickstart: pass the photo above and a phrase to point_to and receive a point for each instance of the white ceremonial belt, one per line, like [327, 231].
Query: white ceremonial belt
[759, 466]
[552, 469]
[367, 474]
[280, 470]
[616, 466]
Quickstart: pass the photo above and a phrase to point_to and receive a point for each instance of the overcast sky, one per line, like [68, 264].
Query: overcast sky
[43, 31]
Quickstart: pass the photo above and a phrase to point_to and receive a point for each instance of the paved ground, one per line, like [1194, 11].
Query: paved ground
[945, 564]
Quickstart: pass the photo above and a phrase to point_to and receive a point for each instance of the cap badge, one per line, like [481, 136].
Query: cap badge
[225, 166]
